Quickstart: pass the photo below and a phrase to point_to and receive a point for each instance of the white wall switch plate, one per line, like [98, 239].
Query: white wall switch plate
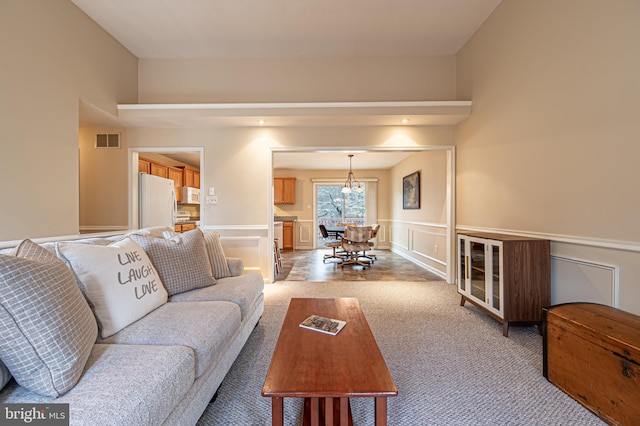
[212, 200]
[212, 190]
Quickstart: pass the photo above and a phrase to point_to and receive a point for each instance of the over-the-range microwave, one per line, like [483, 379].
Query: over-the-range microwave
[190, 195]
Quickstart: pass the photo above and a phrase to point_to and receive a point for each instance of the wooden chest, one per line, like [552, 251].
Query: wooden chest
[592, 353]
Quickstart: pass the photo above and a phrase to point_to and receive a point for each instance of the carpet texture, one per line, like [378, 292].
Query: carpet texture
[451, 364]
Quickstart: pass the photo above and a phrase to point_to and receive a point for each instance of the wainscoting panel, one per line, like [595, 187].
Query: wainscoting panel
[429, 246]
[399, 236]
[246, 248]
[304, 235]
[579, 281]
[422, 243]
[247, 242]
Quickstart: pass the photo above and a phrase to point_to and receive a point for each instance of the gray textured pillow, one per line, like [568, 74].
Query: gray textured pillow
[181, 261]
[219, 264]
[48, 329]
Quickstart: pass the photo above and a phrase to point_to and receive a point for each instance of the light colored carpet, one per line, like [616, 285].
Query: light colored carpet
[451, 364]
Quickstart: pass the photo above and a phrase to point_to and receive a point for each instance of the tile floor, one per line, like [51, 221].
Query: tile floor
[308, 265]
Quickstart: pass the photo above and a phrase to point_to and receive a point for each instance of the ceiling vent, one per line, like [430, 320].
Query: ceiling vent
[108, 140]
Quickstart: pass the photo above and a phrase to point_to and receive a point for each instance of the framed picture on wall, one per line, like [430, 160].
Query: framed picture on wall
[411, 191]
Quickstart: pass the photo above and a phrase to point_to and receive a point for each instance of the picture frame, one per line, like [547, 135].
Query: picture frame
[411, 191]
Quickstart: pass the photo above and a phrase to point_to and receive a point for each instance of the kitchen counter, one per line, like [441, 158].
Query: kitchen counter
[285, 218]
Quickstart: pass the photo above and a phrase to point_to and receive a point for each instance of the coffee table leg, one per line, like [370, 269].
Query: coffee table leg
[345, 411]
[315, 412]
[381, 411]
[277, 411]
[328, 411]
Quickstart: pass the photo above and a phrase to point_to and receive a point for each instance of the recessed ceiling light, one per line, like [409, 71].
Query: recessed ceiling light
[261, 122]
[405, 120]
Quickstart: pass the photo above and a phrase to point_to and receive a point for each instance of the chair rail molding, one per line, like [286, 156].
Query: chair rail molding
[560, 238]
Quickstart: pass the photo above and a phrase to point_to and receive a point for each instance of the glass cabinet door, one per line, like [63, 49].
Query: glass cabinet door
[477, 270]
[462, 271]
[495, 277]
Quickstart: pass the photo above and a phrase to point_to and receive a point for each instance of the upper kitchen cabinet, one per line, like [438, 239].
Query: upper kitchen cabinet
[175, 174]
[159, 170]
[284, 190]
[191, 177]
[144, 165]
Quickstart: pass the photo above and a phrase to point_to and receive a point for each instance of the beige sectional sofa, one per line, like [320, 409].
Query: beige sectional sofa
[163, 366]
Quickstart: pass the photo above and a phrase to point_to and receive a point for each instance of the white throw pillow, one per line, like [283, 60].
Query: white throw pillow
[119, 281]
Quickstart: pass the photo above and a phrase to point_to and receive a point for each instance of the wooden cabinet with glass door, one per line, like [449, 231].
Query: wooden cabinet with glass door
[506, 276]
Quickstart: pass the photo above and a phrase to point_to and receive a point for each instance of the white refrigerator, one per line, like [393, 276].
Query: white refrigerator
[157, 206]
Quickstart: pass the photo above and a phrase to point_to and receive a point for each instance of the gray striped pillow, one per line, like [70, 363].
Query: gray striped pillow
[181, 261]
[48, 329]
[219, 264]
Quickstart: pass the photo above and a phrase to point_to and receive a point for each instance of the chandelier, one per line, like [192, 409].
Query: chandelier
[351, 184]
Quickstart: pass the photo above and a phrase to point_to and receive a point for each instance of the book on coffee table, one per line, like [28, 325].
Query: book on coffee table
[323, 324]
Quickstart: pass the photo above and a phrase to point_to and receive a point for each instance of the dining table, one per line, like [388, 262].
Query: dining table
[336, 231]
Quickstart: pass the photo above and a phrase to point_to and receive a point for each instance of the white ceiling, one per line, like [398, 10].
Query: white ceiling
[289, 28]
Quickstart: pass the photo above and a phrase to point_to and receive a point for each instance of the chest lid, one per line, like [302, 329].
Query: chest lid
[613, 329]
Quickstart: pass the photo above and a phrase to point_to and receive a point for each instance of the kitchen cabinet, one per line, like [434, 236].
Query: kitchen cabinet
[175, 174]
[508, 277]
[144, 166]
[191, 177]
[284, 190]
[181, 175]
[159, 170]
[287, 236]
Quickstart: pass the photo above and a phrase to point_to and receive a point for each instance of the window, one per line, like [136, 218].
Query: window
[334, 207]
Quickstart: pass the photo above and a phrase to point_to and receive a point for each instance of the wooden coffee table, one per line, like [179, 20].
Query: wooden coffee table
[327, 370]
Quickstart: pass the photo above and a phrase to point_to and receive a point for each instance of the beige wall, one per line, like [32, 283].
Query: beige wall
[421, 234]
[551, 146]
[237, 163]
[337, 79]
[52, 55]
[103, 182]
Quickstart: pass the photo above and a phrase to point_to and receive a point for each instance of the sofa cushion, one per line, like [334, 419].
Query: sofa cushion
[215, 252]
[119, 280]
[243, 290]
[48, 329]
[122, 385]
[181, 261]
[205, 327]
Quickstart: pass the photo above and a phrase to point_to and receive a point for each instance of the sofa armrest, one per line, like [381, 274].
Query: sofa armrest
[236, 266]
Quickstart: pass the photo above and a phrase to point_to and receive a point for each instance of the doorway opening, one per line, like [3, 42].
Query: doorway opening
[185, 157]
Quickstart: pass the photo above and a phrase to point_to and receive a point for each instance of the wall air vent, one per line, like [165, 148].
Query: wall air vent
[108, 140]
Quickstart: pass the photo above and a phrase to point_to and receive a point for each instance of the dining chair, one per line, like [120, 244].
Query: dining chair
[374, 232]
[331, 243]
[354, 241]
